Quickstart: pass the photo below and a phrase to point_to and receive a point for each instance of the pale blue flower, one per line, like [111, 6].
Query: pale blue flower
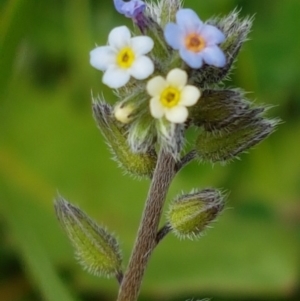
[131, 9]
[197, 42]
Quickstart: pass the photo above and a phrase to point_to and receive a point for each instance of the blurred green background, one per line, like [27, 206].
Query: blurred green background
[49, 142]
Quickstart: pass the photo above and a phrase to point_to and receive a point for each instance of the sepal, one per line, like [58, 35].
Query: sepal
[228, 142]
[217, 109]
[115, 133]
[96, 249]
[164, 11]
[170, 136]
[190, 214]
[142, 135]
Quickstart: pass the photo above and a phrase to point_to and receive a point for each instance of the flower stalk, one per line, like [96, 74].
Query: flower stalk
[166, 80]
[146, 237]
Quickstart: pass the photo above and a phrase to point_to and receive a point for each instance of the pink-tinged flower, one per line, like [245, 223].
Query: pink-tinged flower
[123, 58]
[197, 42]
[131, 9]
[171, 96]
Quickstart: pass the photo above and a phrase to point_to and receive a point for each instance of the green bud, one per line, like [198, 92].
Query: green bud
[190, 214]
[154, 30]
[236, 31]
[227, 143]
[165, 11]
[216, 109]
[137, 164]
[96, 249]
[157, 16]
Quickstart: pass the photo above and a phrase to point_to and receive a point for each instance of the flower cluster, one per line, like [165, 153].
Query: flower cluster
[165, 74]
[132, 61]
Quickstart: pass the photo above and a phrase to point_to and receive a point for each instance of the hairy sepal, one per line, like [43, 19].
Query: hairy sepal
[190, 214]
[139, 164]
[96, 249]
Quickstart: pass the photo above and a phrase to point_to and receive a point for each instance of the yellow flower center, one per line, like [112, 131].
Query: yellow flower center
[170, 97]
[194, 42]
[125, 58]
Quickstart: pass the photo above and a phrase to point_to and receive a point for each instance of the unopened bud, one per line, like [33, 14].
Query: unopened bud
[227, 143]
[96, 249]
[123, 113]
[219, 108]
[137, 164]
[189, 214]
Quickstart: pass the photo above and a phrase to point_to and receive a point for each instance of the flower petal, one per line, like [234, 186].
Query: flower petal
[212, 35]
[174, 35]
[130, 9]
[102, 57]
[177, 78]
[177, 114]
[188, 20]
[142, 45]
[119, 37]
[156, 85]
[115, 77]
[156, 108]
[192, 59]
[189, 96]
[141, 68]
[213, 55]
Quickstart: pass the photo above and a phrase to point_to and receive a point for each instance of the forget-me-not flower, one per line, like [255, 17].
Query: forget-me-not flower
[171, 96]
[197, 42]
[123, 57]
[131, 9]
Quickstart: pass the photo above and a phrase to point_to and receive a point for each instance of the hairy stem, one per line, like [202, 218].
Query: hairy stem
[146, 237]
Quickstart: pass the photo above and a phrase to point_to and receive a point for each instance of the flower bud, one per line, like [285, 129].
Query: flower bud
[138, 164]
[165, 11]
[190, 214]
[96, 249]
[123, 113]
[141, 134]
[227, 143]
[219, 108]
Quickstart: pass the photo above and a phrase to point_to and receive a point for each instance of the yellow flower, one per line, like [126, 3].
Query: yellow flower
[171, 96]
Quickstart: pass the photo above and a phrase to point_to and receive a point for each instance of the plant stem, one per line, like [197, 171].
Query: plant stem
[186, 160]
[162, 233]
[146, 237]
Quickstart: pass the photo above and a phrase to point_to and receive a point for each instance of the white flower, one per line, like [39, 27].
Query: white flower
[171, 96]
[123, 57]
